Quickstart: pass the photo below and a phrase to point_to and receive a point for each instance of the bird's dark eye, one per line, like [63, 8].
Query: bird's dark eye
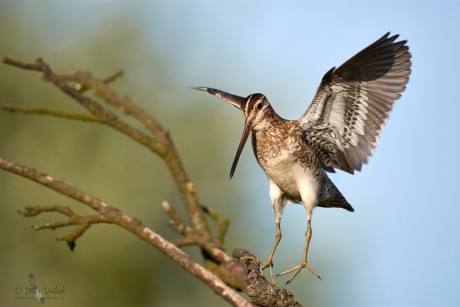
[260, 105]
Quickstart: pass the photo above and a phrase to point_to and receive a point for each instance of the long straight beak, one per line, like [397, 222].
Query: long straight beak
[237, 102]
[244, 138]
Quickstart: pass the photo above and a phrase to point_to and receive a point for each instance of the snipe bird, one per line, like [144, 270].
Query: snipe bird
[339, 130]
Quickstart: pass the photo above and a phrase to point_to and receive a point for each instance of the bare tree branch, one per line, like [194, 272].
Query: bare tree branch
[108, 214]
[160, 143]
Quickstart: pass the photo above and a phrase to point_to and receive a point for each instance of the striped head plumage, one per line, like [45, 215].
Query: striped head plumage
[257, 113]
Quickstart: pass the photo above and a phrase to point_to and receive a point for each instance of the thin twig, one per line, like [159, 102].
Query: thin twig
[221, 223]
[183, 242]
[214, 250]
[81, 87]
[51, 112]
[101, 89]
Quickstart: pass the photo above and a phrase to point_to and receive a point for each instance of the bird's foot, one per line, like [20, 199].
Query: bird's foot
[296, 270]
[263, 264]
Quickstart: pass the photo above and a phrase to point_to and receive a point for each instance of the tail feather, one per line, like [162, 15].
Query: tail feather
[332, 198]
[337, 203]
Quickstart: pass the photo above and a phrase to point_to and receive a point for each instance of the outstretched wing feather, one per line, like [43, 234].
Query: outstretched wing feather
[353, 102]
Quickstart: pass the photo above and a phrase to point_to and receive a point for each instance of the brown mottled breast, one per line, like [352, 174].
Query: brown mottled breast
[283, 156]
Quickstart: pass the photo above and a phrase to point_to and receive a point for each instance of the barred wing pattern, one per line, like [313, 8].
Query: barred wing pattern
[352, 103]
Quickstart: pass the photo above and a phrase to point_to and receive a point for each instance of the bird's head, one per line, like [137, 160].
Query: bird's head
[256, 110]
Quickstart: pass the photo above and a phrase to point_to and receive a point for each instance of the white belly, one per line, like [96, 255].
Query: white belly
[294, 180]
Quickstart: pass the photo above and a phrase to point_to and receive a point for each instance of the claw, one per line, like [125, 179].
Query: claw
[297, 270]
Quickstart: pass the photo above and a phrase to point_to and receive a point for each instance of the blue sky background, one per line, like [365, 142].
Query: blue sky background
[401, 246]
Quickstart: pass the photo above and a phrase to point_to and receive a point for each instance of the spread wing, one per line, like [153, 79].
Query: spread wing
[345, 119]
